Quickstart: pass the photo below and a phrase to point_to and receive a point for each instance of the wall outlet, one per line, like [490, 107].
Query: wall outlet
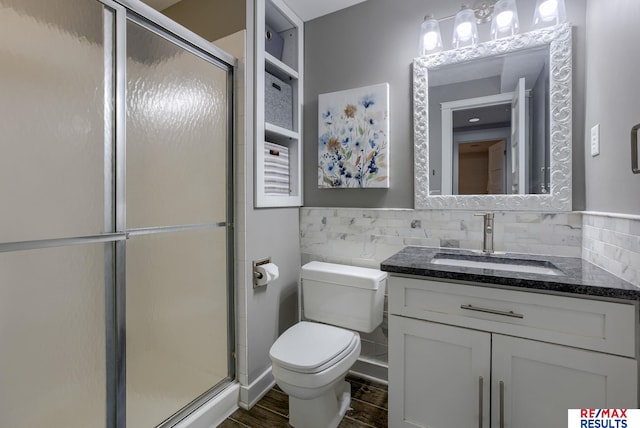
[595, 140]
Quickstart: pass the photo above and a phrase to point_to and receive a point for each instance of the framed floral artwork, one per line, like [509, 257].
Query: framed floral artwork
[353, 138]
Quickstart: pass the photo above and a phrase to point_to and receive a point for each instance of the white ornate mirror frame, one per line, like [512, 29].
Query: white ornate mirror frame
[559, 198]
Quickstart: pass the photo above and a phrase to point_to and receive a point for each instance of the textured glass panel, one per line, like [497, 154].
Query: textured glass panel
[52, 119]
[176, 134]
[52, 338]
[176, 321]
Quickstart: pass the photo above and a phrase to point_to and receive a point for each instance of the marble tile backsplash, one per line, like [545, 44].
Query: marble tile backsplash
[612, 242]
[365, 237]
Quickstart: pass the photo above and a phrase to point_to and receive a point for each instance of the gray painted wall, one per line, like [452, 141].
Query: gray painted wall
[271, 233]
[613, 101]
[375, 42]
[271, 309]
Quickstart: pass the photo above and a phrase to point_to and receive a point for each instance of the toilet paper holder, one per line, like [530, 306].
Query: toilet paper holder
[258, 275]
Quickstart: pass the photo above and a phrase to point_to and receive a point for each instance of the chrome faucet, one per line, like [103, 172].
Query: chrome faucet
[487, 242]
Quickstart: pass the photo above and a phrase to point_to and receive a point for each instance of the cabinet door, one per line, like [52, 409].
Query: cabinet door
[439, 375]
[540, 381]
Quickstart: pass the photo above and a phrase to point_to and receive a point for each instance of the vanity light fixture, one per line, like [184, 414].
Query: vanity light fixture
[503, 15]
[430, 38]
[549, 12]
[505, 19]
[465, 29]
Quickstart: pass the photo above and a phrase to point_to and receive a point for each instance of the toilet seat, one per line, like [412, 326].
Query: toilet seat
[309, 347]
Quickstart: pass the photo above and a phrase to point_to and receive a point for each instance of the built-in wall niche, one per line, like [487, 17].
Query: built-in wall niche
[279, 82]
[281, 38]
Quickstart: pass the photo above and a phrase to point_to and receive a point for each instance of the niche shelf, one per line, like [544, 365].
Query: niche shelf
[285, 74]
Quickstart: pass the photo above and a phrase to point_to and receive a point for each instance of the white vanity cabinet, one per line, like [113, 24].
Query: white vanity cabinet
[474, 356]
[439, 375]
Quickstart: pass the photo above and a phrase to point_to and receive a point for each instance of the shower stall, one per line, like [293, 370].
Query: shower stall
[116, 222]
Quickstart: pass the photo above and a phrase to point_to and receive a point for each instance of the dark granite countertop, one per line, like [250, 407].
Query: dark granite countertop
[577, 275]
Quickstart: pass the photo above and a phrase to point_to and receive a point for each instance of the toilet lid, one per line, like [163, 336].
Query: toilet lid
[309, 347]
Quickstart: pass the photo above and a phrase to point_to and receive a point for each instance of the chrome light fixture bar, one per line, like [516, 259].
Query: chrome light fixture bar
[483, 11]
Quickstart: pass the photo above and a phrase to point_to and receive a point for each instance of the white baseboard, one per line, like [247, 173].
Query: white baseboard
[215, 411]
[371, 370]
[250, 395]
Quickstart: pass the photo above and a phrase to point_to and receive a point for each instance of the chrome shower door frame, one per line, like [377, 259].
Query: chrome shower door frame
[159, 24]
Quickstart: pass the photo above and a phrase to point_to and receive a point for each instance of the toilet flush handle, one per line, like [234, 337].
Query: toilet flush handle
[634, 149]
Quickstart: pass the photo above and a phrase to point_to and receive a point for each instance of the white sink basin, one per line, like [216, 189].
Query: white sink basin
[506, 265]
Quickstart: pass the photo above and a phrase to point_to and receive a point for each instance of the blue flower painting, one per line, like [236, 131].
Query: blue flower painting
[353, 138]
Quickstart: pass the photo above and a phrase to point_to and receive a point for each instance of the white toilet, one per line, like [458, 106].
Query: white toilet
[310, 360]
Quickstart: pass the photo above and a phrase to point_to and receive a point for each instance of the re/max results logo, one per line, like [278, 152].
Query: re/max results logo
[603, 418]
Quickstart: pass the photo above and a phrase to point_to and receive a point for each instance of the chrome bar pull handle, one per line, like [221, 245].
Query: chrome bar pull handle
[492, 311]
[634, 149]
[481, 399]
[501, 404]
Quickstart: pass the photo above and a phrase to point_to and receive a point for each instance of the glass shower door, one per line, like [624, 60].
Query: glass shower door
[56, 228]
[176, 215]
[115, 217]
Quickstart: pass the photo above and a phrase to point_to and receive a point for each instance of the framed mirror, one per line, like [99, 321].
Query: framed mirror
[492, 124]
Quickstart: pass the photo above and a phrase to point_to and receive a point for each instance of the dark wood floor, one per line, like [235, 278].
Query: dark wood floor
[368, 409]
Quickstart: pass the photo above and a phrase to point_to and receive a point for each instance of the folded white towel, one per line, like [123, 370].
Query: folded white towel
[276, 169]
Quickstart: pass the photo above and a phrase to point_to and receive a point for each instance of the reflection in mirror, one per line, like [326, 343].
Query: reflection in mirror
[495, 122]
[504, 81]
[481, 138]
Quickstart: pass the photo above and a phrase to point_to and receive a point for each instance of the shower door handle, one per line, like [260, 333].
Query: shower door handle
[634, 149]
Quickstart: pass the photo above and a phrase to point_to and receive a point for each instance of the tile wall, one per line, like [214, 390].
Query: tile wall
[365, 237]
[613, 242]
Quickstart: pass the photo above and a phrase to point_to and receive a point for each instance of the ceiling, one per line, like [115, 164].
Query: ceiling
[160, 4]
[305, 9]
[311, 9]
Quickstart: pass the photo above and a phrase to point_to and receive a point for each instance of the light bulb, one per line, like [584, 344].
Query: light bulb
[431, 40]
[504, 19]
[548, 10]
[464, 31]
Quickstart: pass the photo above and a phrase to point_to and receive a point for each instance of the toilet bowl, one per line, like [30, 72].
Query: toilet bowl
[311, 360]
[309, 357]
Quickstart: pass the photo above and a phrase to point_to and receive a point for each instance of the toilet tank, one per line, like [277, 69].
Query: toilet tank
[346, 296]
